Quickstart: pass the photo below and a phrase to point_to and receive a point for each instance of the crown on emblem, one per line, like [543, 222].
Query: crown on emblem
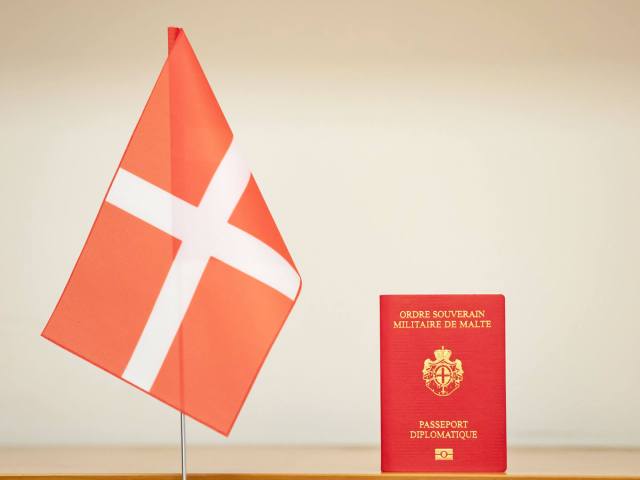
[442, 354]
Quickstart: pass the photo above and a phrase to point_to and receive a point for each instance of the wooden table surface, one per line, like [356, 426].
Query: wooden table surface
[256, 463]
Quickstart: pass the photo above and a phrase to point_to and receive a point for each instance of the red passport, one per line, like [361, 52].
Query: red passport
[442, 367]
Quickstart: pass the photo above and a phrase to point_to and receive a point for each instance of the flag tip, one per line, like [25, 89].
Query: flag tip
[173, 33]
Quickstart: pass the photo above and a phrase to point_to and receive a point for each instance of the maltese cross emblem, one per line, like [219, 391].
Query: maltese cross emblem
[442, 376]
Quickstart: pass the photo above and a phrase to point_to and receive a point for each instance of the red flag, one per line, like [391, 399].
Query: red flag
[184, 281]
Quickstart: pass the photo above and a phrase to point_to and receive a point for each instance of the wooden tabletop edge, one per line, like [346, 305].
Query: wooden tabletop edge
[313, 476]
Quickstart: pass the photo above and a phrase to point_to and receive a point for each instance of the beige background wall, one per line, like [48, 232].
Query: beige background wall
[402, 146]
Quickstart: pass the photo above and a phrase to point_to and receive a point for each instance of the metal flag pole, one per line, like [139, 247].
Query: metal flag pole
[173, 33]
[183, 447]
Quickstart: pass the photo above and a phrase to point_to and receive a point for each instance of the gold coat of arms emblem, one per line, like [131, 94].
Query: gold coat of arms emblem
[442, 376]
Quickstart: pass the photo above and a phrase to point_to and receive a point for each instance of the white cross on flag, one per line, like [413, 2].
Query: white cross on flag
[184, 281]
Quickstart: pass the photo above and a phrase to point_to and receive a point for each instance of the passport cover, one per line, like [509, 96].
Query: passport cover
[442, 366]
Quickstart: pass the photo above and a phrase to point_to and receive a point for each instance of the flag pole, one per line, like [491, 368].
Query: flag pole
[183, 447]
[172, 34]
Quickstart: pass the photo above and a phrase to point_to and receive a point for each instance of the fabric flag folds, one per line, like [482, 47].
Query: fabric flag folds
[184, 281]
